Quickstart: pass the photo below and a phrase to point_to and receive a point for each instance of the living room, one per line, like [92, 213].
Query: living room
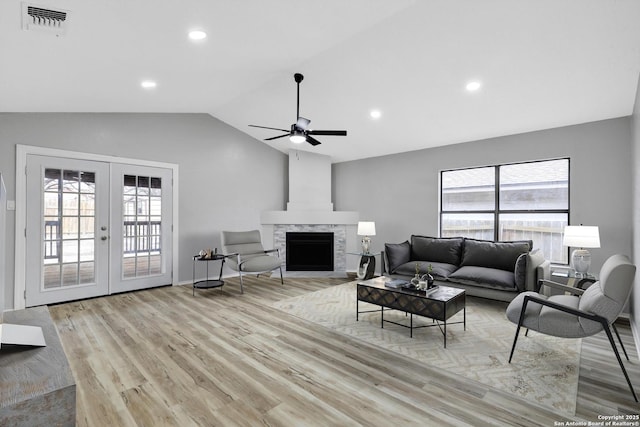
[228, 177]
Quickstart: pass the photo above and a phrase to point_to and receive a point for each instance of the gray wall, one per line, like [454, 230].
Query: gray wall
[400, 192]
[226, 177]
[635, 142]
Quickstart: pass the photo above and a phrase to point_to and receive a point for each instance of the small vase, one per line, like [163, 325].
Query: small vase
[429, 279]
[415, 281]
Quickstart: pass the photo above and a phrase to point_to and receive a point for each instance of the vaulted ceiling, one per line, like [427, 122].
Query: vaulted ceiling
[541, 64]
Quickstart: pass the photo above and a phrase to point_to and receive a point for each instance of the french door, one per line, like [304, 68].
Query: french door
[95, 228]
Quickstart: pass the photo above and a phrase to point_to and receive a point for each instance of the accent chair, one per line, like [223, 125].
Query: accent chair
[247, 255]
[582, 314]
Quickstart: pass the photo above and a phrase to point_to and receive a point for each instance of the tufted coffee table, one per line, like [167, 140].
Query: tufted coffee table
[439, 305]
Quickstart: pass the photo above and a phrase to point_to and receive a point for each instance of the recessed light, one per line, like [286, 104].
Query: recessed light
[375, 114]
[148, 84]
[473, 86]
[197, 35]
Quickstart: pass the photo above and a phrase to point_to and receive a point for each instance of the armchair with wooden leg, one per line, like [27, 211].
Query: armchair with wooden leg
[582, 314]
[245, 254]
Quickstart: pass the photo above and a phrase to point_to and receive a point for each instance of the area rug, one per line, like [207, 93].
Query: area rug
[544, 369]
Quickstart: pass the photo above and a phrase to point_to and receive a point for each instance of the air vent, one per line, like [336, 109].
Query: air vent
[43, 19]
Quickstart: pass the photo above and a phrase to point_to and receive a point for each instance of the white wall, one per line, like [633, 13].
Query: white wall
[226, 177]
[635, 141]
[309, 181]
[400, 192]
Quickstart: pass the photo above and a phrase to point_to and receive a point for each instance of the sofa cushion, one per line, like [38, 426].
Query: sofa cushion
[484, 277]
[439, 270]
[436, 249]
[501, 255]
[397, 254]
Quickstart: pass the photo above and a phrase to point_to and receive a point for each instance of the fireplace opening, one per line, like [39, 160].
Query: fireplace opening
[308, 251]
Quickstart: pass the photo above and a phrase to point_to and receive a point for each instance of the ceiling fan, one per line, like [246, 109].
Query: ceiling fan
[299, 130]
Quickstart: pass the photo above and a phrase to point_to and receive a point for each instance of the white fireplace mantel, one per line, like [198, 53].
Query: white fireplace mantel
[309, 217]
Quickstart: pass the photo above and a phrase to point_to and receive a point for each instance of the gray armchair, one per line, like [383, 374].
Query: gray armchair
[246, 254]
[582, 314]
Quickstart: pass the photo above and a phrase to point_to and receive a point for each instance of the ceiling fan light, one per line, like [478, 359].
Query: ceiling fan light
[297, 138]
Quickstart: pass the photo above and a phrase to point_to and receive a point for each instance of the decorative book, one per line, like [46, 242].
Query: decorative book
[397, 284]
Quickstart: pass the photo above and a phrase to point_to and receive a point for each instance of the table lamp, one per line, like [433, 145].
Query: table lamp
[581, 236]
[366, 229]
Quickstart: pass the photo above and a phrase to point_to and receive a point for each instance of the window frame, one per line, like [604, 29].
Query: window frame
[496, 212]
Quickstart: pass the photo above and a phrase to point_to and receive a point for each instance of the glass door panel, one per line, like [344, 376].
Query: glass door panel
[69, 221]
[142, 253]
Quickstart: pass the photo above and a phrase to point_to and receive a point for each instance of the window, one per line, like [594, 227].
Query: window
[509, 202]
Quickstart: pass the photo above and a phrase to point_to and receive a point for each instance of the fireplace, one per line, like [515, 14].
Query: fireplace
[309, 251]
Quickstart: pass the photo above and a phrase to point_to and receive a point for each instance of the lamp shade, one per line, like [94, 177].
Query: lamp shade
[581, 236]
[366, 228]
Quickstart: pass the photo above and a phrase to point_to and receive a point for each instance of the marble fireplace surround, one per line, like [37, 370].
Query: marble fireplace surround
[343, 225]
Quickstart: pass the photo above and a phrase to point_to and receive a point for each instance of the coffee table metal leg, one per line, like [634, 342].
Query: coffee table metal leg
[464, 317]
[357, 308]
[411, 327]
[381, 317]
[445, 334]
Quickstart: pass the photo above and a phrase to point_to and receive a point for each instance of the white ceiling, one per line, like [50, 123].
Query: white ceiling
[542, 63]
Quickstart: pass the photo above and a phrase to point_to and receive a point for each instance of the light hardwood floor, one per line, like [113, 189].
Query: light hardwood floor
[164, 357]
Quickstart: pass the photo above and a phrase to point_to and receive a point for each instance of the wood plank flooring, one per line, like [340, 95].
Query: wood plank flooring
[163, 357]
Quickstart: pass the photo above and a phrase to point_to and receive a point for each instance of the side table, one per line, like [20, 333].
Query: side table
[208, 283]
[367, 266]
[570, 278]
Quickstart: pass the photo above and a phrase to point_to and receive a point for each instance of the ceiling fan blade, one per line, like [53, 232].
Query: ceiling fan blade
[302, 123]
[328, 132]
[265, 127]
[311, 140]
[276, 137]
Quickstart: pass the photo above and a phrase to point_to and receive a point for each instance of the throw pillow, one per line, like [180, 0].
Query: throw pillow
[436, 249]
[535, 258]
[520, 272]
[397, 254]
[486, 253]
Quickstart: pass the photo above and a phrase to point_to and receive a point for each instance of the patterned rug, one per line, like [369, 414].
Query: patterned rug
[544, 369]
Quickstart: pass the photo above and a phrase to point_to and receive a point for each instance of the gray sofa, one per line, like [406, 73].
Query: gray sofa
[496, 270]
